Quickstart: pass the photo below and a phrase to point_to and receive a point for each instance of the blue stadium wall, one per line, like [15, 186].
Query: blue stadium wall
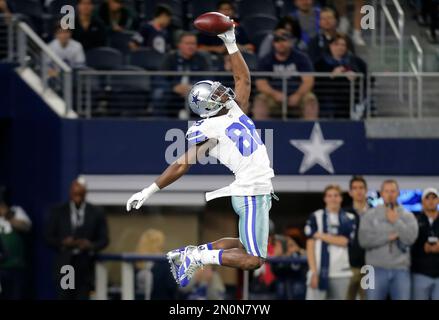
[41, 153]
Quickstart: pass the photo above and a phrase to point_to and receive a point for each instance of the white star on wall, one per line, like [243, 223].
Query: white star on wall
[316, 150]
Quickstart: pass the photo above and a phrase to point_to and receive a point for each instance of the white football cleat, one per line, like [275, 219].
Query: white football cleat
[190, 263]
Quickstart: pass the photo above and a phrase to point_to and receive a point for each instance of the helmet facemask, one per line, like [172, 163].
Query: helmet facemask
[207, 98]
[218, 98]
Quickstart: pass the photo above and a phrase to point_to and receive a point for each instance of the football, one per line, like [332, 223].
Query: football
[213, 23]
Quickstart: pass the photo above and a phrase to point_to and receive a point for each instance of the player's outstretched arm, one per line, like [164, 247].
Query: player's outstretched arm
[174, 172]
[241, 73]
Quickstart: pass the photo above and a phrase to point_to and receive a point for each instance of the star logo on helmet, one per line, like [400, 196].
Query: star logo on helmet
[195, 98]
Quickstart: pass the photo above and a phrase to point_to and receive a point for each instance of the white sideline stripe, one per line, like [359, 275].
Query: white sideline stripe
[55, 102]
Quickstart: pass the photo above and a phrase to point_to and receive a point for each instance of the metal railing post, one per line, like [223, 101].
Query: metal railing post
[88, 96]
[352, 98]
[78, 106]
[11, 38]
[127, 281]
[368, 95]
[401, 49]
[374, 30]
[382, 33]
[285, 98]
[417, 68]
[21, 47]
[44, 70]
[101, 281]
[245, 287]
[67, 91]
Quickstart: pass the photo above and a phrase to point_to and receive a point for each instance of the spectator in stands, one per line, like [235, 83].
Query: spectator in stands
[5, 11]
[262, 104]
[344, 27]
[14, 224]
[291, 277]
[430, 13]
[358, 193]
[155, 34]
[206, 285]
[215, 44]
[291, 25]
[77, 230]
[116, 16]
[154, 275]
[69, 50]
[308, 16]
[334, 92]
[386, 233]
[284, 59]
[171, 98]
[329, 232]
[425, 251]
[319, 45]
[89, 29]
[309, 107]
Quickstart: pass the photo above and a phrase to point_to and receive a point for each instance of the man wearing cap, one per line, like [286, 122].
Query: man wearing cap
[77, 230]
[285, 59]
[425, 251]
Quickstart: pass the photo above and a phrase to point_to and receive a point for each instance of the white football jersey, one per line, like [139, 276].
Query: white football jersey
[239, 148]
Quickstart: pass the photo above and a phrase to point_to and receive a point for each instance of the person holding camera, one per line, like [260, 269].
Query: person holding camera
[14, 223]
[386, 233]
[425, 251]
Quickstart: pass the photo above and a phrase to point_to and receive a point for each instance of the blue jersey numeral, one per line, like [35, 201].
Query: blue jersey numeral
[245, 136]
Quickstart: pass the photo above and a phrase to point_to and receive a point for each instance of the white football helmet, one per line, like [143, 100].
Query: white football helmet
[206, 98]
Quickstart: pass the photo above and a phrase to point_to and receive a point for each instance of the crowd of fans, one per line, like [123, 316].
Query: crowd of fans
[356, 252]
[359, 252]
[300, 36]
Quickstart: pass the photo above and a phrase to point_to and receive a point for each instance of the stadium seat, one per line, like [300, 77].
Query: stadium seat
[32, 8]
[120, 40]
[198, 7]
[256, 25]
[104, 58]
[148, 59]
[248, 8]
[128, 95]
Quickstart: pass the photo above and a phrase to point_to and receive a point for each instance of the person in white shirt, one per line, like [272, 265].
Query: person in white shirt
[69, 50]
[329, 232]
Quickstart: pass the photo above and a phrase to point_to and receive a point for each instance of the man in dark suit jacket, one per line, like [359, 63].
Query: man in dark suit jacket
[77, 230]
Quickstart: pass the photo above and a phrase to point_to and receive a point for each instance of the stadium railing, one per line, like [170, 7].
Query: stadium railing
[7, 34]
[397, 28]
[128, 260]
[39, 64]
[150, 93]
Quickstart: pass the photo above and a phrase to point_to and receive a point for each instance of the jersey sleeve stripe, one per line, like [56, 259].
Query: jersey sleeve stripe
[194, 134]
[198, 139]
